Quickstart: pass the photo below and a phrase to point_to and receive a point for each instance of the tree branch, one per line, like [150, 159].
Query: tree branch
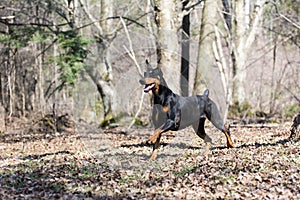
[284, 17]
[293, 94]
[131, 52]
[91, 17]
[254, 27]
[189, 7]
[132, 56]
[134, 21]
[289, 20]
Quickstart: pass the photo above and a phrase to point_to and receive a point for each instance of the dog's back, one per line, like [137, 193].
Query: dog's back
[192, 108]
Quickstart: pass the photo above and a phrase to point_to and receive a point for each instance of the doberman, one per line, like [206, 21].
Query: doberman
[172, 112]
[294, 126]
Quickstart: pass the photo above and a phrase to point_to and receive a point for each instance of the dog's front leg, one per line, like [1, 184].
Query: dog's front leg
[157, 134]
[155, 149]
[170, 124]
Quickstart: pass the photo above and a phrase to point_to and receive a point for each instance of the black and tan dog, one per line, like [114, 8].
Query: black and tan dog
[172, 112]
[294, 126]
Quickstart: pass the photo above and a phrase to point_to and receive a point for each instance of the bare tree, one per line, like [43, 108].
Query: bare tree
[98, 67]
[167, 41]
[20, 70]
[206, 59]
[43, 50]
[247, 19]
[33, 34]
[212, 71]
[185, 52]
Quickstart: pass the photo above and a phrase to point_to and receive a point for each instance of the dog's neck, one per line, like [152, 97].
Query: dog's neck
[163, 92]
[163, 82]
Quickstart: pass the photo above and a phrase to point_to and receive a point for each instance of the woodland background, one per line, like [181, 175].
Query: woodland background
[68, 66]
[85, 57]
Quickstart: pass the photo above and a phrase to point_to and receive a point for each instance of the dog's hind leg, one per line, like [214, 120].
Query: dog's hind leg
[200, 131]
[213, 115]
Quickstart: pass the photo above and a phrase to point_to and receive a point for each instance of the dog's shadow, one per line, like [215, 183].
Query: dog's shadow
[268, 144]
[264, 144]
[139, 160]
[186, 146]
[143, 144]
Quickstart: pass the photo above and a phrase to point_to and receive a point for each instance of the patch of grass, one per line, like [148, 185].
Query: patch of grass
[57, 187]
[186, 170]
[87, 173]
[126, 179]
[291, 111]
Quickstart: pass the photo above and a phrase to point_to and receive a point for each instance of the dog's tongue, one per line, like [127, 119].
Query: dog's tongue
[148, 87]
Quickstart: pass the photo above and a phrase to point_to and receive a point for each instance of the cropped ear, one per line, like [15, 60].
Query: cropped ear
[148, 64]
[158, 68]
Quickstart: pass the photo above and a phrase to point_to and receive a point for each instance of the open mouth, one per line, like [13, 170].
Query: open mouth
[148, 87]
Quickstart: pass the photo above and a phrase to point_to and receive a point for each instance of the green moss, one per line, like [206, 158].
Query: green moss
[138, 122]
[109, 119]
[240, 109]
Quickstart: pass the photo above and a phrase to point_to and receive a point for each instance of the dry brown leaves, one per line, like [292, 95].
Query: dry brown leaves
[113, 164]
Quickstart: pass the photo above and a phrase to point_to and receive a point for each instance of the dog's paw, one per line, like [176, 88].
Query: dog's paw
[153, 156]
[230, 145]
[152, 139]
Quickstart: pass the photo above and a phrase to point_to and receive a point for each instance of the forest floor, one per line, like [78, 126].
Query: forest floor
[113, 164]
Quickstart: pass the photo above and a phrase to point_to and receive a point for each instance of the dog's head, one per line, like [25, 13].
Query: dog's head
[152, 79]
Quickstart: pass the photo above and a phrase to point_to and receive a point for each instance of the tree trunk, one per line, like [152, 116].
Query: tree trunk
[185, 53]
[240, 52]
[244, 32]
[167, 42]
[99, 68]
[206, 59]
[104, 86]
[2, 119]
[212, 72]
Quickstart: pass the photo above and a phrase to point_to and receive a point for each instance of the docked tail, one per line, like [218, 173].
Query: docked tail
[212, 112]
[206, 93]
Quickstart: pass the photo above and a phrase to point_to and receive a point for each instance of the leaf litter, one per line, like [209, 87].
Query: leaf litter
[113, 164]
